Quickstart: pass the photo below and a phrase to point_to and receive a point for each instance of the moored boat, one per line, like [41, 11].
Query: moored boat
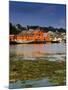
[37, 42]
[23, 41]
[56, 40]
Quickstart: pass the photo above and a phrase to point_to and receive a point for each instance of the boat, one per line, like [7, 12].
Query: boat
[56, 40]
[27, 42]
[37, 42]
[23, 41]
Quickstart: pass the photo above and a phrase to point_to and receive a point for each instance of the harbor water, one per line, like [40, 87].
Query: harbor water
[46, 52]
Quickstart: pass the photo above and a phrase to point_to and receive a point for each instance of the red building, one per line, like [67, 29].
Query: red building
[36, 35]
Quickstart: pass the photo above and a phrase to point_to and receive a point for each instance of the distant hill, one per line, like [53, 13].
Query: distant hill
[15, 29]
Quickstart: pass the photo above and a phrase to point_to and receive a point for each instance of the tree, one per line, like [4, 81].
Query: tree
[13, 29]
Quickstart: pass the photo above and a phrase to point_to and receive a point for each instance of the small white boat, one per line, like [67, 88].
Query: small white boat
[23, 41]
[56, 40]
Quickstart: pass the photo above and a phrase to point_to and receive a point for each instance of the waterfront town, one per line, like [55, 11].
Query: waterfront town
[37, 35]
[37, 45]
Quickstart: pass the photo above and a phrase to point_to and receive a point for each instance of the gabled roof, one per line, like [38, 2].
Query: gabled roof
[29, 32]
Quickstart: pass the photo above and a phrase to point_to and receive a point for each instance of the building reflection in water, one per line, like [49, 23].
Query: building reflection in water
[36, 50]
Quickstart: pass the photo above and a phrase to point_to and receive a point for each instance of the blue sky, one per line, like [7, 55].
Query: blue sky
[42, 14]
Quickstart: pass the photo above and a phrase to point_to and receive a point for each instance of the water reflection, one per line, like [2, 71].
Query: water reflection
[33, 51]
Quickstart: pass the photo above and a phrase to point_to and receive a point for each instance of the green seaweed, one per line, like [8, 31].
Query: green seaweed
[37, 69]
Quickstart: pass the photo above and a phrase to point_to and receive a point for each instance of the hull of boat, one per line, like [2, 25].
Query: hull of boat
[37, 42]
[28, 42]
[55, 42]
[23, 42]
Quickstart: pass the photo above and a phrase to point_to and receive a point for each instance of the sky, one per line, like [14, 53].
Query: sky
[41, 14]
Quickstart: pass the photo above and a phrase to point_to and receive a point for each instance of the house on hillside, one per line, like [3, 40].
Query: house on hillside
[35, 35]
[12, 37]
